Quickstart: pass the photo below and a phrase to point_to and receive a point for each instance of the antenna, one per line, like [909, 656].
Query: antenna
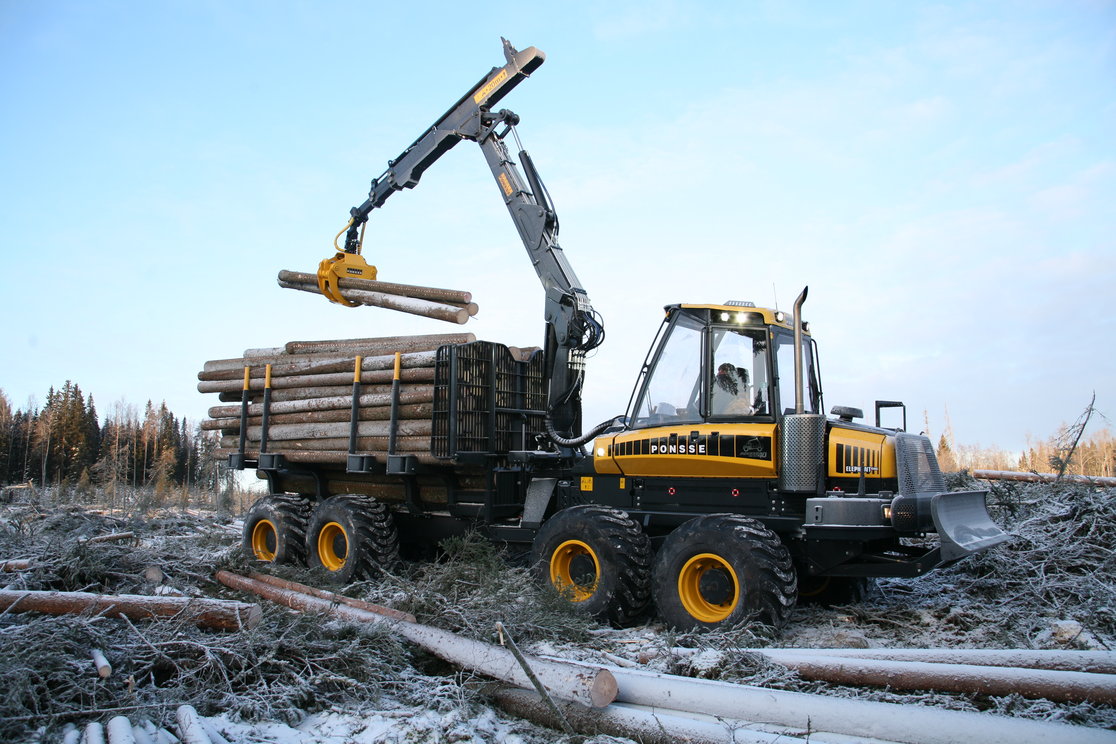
[775, 295]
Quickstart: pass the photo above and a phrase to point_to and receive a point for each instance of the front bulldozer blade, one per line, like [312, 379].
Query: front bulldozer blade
[964, 525]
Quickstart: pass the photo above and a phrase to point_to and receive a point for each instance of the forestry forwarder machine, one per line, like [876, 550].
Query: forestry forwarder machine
[724, 494]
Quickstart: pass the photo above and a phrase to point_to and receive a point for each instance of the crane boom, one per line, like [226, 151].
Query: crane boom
[572, 326]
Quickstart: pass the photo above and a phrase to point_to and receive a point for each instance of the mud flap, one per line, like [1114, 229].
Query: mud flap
[963, 524]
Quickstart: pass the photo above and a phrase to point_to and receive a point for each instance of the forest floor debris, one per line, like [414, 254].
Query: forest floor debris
[295, 678]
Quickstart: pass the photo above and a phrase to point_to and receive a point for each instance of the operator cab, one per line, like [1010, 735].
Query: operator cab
[722, 363]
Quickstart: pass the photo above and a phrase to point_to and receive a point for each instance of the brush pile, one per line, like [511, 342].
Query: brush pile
[287, 666]
[1050, 588]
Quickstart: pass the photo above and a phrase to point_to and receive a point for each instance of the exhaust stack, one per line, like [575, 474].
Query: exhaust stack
[802, 435]
[799, 406]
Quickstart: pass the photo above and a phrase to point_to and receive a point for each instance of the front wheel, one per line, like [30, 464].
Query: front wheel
[275, 528]
[352, 537]
[721, 570]
[599, 559]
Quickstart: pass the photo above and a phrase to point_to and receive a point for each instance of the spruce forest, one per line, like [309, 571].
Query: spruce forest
[67, 442]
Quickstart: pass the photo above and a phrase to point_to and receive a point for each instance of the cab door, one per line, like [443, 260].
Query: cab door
[704, 408]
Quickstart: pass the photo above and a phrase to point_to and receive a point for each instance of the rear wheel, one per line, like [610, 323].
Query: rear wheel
[275, 528]
[721, 570]
[599, 559]
[352, 537]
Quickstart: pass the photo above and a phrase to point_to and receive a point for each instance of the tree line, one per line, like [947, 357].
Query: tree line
[1068, 450]
[65, 443]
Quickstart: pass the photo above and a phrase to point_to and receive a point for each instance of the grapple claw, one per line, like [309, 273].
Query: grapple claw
[342, 266]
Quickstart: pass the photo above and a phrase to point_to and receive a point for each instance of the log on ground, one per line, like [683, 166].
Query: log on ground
[207, 613]
[590, 686]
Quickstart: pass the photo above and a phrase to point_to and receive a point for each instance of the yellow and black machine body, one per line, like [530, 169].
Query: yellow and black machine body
[725, 493]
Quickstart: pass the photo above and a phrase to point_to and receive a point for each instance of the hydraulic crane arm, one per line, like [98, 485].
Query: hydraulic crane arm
[572, 327]
[461, 121]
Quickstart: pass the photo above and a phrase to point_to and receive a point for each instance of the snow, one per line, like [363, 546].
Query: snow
[376, 727]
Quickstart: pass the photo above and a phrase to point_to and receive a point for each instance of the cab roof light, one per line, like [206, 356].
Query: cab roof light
[739, 303]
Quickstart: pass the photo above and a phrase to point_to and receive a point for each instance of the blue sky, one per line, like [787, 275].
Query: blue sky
[942, 176]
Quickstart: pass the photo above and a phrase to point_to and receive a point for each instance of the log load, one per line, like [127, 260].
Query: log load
[318, 402]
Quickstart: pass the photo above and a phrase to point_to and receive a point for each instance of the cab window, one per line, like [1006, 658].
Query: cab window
[784, 352]
[672, 393]
[739, 380]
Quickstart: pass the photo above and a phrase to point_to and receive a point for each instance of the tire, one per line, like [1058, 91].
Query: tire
[721, 570]
[275, 529]
[828, 591]
[599, 559]
[351, 538]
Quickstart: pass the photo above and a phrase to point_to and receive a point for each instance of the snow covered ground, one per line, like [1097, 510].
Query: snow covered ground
[296, 679]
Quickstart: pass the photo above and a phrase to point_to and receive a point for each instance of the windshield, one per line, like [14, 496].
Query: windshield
[672, 393]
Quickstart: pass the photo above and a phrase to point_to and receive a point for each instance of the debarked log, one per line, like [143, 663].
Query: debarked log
[408, 394]
[1101, 662]
[304, 393]
[586, 685]
[381, 344]
[435, 294]
[327, 364]
[379, 413]
[207, 613]
[281, 432]
[644, 724]
[859, 718]
[332, 457]
[1056, 685]
[416, 374]
[411, 305]
[363, 445]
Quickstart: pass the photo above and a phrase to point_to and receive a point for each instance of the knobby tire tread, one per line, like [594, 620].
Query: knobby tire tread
[770, 598]
[290, 513]
[622, 548]
[373, 542]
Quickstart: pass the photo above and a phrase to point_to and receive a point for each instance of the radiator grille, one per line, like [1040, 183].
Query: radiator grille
[917, 465]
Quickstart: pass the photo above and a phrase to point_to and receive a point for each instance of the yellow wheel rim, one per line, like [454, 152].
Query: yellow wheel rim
[333, 546]
[265, 540]
[571, 556]
[690, 591]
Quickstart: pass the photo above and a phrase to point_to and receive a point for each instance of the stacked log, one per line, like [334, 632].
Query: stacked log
[309, 400]
[450, 305]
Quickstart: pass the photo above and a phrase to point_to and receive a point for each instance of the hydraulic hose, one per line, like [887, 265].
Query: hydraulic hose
[577, 441]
